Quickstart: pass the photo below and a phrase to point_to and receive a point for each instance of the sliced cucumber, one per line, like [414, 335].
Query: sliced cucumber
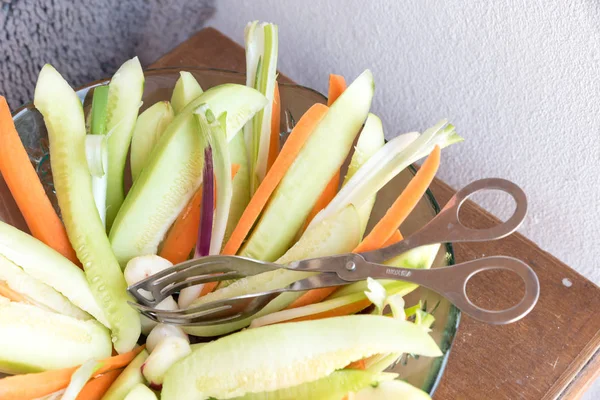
[49, 267]
[294, 353]
[338, 234]
[162, 190]
[370, 140]
[241, 183]
[36, 292]
[128, 379]
[186, 89]
[140, 392]
[238, 101]
[124, 99]
[391, 390]
[332, 387]
[322, 155]
[149, 127]
[98, 113]
[32, 339]
[63, 116]
[174, 172]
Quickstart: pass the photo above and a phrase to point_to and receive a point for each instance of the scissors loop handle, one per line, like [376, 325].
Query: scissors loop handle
[446, 227]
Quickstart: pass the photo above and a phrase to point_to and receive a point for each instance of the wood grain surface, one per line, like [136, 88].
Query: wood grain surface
[552, 353]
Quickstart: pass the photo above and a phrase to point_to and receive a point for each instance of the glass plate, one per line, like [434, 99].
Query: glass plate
[422, 372]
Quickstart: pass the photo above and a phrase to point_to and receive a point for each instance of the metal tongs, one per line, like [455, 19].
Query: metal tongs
[338, 270]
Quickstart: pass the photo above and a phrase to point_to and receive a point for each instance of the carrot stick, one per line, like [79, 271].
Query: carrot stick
[275, 119]
[395, 238]
[182, 237]
[337, 85]
[403, 205]
[386, 232]
[27, 190]
[360, 364]
[290, 150]
[97, 387]
[31, 386]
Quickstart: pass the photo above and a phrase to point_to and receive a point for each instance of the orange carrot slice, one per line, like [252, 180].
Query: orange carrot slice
[403, 205]
[31, 386]
[337, 85]
[97, 387]
[387, 226]
[275, 121]
[288, 154]
[182, 236]
[27, 190]
[395, 238]
[360, 364]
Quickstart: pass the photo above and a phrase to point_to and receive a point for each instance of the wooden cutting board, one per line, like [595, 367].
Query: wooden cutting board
[553, 353]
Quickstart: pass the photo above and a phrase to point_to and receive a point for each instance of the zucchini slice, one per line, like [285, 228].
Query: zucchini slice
[63, 116]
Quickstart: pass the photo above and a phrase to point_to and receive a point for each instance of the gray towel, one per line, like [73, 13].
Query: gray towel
[87, 40]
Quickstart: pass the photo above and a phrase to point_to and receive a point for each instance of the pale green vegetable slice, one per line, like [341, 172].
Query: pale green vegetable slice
[245, 362]
[96, 151]
[140, 392]
[370, 140]
[124, 99]
[149, 127]
[391, 390]
[174, 172]
[213, 131]
[186, 89]
[381, 362]
[400, 288]
[79, 378]
[128, 379]
[32, 339]
[321, 156]
[36, 292]
[63, 116]
[338, 234]
[240, 184]
[331, 387]
[49, 267]
[261, 72]
[98, 113]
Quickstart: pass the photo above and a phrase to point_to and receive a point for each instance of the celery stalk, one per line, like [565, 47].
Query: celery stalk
[371, 139]
[214, 133]
[98, 113]
[261, 72]
[388, 162]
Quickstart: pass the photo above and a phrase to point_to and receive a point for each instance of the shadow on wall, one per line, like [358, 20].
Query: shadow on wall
[88, 39]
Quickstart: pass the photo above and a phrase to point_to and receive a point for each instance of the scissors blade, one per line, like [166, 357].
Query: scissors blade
[325, 279]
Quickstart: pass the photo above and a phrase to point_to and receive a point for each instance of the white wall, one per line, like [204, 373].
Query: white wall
[519, 79]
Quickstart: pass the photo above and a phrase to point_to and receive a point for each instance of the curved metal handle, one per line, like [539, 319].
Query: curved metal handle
[451, 282]
[453, 286]
[446, 227]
